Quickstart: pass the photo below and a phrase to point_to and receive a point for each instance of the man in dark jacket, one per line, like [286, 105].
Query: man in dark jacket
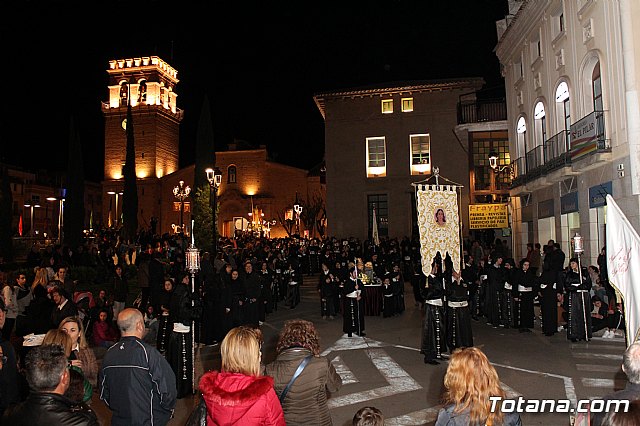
[48, 378]
[64, 307]
[136, 382]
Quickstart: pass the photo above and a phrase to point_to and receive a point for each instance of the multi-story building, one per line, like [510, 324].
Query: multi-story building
[571, 85]
[381, 139]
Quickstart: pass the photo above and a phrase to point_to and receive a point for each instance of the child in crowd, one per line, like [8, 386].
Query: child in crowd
[368, 416]
[104, 335]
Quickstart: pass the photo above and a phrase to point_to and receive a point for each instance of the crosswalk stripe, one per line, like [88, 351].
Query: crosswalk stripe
[399, 381]
[598, 383]
[599, 347]
[343, 371]
[614, 341]
[419, 417]
[597, 356]
[598, 368]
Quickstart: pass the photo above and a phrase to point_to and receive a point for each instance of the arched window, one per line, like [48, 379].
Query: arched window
[124, 94]
[142, 92]
[563, 108]
[231, 174]
[540, 123]
[596, 84]
[521, 131]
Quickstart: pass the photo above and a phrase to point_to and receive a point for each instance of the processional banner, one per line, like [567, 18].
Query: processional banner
[439, 224]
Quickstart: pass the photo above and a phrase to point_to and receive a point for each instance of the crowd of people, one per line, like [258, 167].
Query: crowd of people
[244, 282]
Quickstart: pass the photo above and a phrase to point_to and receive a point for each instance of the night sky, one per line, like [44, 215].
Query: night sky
[260, 63]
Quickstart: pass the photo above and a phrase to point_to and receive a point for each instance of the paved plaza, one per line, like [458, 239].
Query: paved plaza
[386, 370]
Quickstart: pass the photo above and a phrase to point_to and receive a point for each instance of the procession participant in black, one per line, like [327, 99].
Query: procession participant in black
[459, 334]
[433, 328]
[526, 291]
[314, 257]
[280, 288]
[237, 298]
[327, 288]
[397, 281]
[548, 289]
[579, 312]
[252, 293]
[470, 277]
[507, 304]
[293, 279]
[493, 294]
[266, 281]
[353, 309]
[389, 307]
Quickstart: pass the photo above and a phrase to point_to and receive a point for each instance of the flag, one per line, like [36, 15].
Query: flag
[374, 232]
[109, 220]
[20, 226]
[623, 258]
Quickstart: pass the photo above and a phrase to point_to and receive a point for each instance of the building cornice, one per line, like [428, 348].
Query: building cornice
[528, 17]
[473, 83]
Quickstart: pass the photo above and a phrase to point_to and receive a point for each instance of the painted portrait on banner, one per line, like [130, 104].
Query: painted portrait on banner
[438, 224]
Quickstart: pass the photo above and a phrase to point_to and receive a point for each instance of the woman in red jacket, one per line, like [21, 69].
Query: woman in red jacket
[238, 394]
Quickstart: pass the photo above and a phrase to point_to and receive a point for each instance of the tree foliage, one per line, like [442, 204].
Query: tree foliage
[74, 197]
[130, 196]
[6, 210]
[203, 219]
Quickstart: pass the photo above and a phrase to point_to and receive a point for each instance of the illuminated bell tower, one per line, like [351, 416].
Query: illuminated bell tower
[148, 84]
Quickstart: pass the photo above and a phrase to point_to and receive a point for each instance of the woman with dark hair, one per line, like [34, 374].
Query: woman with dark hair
[440, 217]
[469, 382]
[305, 402]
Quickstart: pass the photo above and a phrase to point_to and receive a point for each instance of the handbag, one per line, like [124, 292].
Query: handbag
[198, 416]
[301, 367]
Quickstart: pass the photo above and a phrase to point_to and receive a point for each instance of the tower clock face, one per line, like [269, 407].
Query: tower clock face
[124, 124]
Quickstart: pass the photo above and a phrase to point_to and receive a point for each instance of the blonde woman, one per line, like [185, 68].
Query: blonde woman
[85, 359]
[41, 278]
[238, 394]
[59, 337]
[469, 382]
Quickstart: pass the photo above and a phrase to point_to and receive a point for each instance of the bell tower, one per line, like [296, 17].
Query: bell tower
[148, 84]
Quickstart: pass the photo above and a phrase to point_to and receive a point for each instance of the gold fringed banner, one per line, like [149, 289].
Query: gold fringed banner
[439, 224]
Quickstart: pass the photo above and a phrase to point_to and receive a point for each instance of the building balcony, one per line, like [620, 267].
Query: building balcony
[585, 141]
[480, 111]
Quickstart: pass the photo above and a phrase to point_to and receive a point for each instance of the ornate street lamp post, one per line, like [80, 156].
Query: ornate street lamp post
[60, 199]
[192, 260]
[181, 192]
[297, 208]
[578, 248]
[214, 176]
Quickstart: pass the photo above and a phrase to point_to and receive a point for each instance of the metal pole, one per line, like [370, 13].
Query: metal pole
[215, 226]
[584, 306]
[31, 222]
[60, 221]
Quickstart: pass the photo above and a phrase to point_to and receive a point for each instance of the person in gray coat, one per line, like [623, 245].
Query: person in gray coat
[306, 401]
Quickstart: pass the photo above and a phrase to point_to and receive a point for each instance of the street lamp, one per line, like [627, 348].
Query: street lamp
[578, 249]
[297, 208]
[60, 198]
[493, 163]
[116, 194]
[192, 265]
[31, 207]
[181, 192]
[214, 176]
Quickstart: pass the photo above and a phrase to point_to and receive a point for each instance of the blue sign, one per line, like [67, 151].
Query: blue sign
[569, 203]
[598, 194]
[546, 209]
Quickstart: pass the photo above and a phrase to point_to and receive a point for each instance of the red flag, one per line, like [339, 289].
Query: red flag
[20, 226]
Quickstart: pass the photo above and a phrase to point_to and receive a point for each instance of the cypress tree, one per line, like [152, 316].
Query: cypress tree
[6, 210]
[74, 200]
[130, 196]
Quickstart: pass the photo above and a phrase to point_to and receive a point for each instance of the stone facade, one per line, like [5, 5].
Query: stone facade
[355, 119]
[565, 65]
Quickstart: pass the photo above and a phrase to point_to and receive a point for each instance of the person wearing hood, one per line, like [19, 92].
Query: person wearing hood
[238, 394]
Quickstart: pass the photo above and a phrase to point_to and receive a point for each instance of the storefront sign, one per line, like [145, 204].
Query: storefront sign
[583, 136]
[546, 209]
[569, 203]
[598, 194]
[488, 216]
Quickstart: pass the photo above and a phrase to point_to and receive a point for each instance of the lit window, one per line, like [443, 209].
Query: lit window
[387, 106]
[231, 174]
[420, 155]
[407, 104]
[376, 157]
